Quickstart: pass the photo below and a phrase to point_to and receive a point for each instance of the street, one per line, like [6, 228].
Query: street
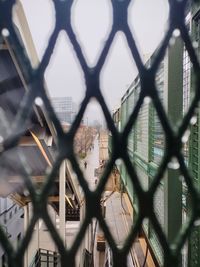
[92, 160]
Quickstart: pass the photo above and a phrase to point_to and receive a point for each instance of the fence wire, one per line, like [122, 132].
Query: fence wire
[35, 80]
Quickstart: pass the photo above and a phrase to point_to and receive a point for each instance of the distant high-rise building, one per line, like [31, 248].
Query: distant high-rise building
[74, 110]
[63, 107]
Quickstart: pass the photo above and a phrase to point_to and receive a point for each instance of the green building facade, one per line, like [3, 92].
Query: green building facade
[175, 84]
[146, 146]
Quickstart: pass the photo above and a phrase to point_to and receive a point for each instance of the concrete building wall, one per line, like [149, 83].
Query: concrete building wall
[11, 220]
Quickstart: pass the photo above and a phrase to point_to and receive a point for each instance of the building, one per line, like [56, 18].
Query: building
[12, 222]
[146, 147]
[65, 108]
[29, 157]
[193, 147]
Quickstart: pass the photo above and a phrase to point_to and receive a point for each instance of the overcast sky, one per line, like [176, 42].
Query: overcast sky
[91, 23]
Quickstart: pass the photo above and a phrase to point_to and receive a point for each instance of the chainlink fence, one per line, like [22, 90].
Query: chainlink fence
[35, 79]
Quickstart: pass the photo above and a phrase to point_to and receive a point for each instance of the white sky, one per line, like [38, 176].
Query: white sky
[91, 23]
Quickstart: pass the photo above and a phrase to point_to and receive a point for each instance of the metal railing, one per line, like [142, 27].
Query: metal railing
[45, 257]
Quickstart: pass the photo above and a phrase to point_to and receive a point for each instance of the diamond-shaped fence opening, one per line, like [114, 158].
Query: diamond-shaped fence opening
[58, 75]
[86, 24]
[175, 113]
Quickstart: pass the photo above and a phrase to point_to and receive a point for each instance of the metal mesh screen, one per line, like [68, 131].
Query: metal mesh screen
[35, 80]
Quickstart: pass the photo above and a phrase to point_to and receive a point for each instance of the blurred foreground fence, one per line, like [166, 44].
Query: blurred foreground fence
[173, 124]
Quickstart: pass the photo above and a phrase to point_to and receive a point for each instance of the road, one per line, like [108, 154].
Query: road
[92, 160]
